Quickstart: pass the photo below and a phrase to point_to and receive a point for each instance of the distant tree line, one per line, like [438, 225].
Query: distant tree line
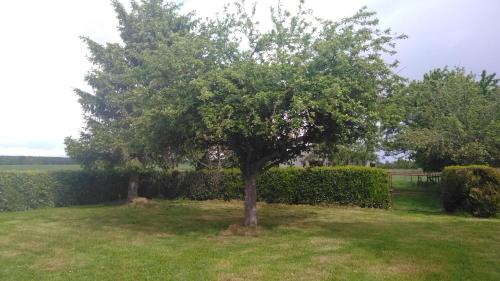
[35, 160]
[399, 163]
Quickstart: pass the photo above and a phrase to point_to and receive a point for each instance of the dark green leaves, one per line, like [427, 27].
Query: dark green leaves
[450, 118]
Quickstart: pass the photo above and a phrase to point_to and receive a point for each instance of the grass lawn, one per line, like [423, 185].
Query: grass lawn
[412, 197]
[187, 240]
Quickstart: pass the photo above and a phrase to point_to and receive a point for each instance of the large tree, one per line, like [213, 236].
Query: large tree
[181, 86]
[268, 95]
[449, 117]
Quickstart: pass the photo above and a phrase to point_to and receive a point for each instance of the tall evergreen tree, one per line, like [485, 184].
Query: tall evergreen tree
[112, 137]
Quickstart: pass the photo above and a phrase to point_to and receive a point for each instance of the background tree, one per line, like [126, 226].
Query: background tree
[357, 153]
[113, 136]
[448, 118]
[267, 96]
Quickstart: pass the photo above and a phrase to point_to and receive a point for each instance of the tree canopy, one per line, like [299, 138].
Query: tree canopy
[268, 95]
[448, 118]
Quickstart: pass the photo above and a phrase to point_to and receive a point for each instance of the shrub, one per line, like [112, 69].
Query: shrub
[279, 185]
[198, 185]
[361, 186]
[474, 189]
[26, 190]
[484, 202]
[89, 187]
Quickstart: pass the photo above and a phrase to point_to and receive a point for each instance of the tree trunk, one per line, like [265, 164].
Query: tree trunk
[219, 159]
[250, 200]
[133, 186]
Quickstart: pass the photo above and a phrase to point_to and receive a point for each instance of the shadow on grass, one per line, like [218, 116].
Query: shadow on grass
[184, 218]
[371, 240]
[376, 233]
[190, 218]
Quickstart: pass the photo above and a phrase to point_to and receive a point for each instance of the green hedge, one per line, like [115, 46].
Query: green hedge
[21, 191]
[361, 186]
[28, 190]
[196, 185]
[474, 189]
[365, 187]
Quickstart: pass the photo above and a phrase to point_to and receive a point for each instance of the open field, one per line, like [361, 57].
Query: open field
[63, 167]
[187, 240]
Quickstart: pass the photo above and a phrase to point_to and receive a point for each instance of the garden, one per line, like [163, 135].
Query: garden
[192, 229]
[214, 149]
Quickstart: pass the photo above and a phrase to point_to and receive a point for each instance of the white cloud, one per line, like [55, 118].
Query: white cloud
[41, 60]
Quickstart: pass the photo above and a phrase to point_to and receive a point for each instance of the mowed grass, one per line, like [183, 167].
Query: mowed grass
[417, 202]
[412, 197]
[64, 167]
[188, 240]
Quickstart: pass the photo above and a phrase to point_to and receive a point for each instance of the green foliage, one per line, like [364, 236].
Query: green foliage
[399, 164]
[325, 154]
[485, 200]
[280, 185]
[25, 190]
[89, 187]
[474, 189]
[448, 118]
[197, 185]
[270, 95]
[180, 86]
[365, 187]
[113, 135]
[361, 186]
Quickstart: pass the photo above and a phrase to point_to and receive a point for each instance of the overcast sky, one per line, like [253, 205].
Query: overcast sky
[42, 58]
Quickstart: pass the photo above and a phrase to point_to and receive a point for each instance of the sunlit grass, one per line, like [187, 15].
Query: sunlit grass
[187, 240]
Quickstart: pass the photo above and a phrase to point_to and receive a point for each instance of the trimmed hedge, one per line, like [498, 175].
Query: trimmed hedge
[474, 189]
[361, 186]
[21, 191]
[195, 185]
[29, 190]
[365, 187]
